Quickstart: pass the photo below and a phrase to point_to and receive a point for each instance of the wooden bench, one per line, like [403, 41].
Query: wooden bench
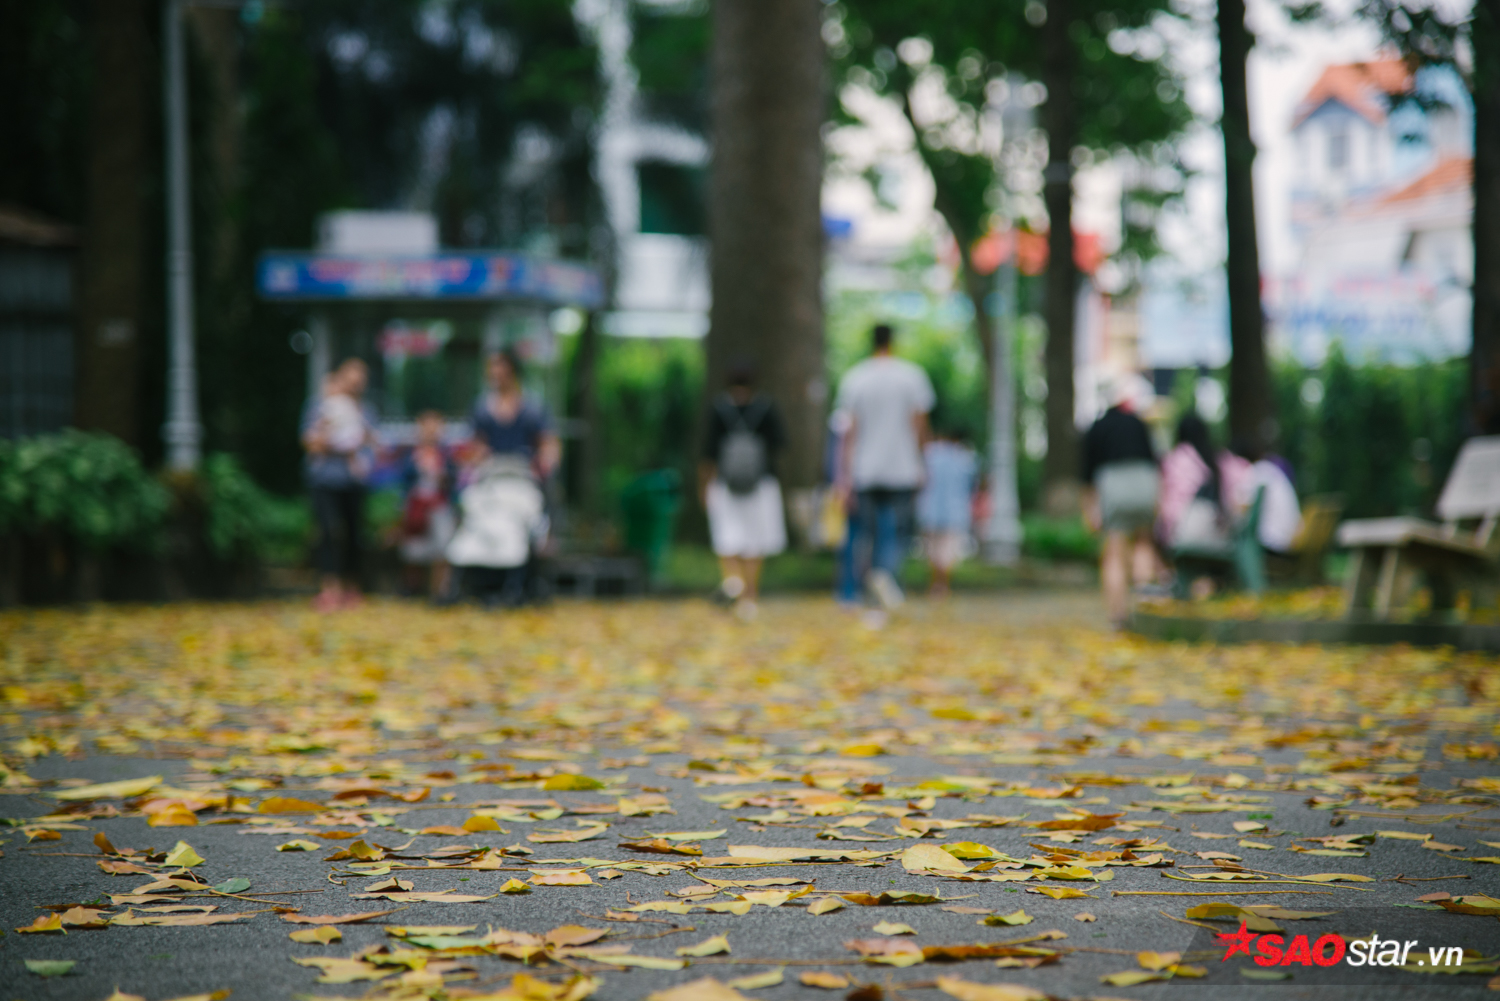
[1450, 558]
[1303, 563]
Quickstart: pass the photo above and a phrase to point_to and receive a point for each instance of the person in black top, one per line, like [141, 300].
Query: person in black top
[1121, 480]
[738, 486]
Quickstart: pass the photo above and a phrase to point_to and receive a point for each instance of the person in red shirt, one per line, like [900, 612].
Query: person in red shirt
[427, 519]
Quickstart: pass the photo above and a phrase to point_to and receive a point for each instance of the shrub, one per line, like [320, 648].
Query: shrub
[1058, 539]
[241, 520]
[91, 487]
[1383, 435]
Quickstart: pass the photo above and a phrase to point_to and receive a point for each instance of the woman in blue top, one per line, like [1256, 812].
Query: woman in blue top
[506, 422]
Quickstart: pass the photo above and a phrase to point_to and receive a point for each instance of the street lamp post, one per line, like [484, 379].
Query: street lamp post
[1002, 534]
[183, 431]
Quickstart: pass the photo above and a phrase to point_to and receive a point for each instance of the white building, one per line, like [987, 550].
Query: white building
[650, 171]
[1380, 207]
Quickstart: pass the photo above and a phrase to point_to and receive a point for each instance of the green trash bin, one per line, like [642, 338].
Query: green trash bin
[649, 504]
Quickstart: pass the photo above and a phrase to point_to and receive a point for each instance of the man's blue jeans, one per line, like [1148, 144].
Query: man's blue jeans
[846, 587]
[884, 518]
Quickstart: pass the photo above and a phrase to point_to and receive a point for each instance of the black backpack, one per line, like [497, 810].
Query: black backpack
[742, 457]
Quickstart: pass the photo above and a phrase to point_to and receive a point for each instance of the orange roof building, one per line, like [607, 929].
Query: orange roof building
[1364, 88]
[1380, 204]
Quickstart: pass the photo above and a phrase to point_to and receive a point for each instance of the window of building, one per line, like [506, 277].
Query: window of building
[672, 198]
[1338, 149]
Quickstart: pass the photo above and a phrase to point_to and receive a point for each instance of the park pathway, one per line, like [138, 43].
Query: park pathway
[654, 799]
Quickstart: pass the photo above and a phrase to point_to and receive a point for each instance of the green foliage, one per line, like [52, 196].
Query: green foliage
[669, 50]
[1128, 95]
[1382, 435]
[91, 487]
[383, 511]
[649, 393]
[242, 520]
[1058, 539]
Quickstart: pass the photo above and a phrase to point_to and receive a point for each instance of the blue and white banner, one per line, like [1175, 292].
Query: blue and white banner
[481, 275]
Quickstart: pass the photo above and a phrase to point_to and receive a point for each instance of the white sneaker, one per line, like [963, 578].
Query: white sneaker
[746, 610]
[729, 590]
[885, 589]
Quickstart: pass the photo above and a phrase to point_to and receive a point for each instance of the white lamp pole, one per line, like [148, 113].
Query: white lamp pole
[183, 431]
[1002, 535]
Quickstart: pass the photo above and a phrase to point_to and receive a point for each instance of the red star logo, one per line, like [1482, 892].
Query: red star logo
[1238, 942]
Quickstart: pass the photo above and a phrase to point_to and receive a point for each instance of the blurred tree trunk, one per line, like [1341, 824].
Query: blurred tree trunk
[227, 340]
[764, 210]
[1484, 357]
[114, 241]
[1060, 471]
[1250, 405]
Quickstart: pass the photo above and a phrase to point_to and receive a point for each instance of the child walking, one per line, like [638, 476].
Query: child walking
[945, 505]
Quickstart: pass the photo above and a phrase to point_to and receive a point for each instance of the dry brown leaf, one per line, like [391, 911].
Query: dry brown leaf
[173, 816]
[567, 837]
[968, 990]
[334, 919]
[83, 917]
[42, 924]
[569, 935]
[821, 978]
[893, 951]
[447, 830]
[708, 947]
[661, 846]
[177, 920]
[922, 858]
[756, 981]
[1157, 960]
[706, 989]
[560, 877]
[288, 804]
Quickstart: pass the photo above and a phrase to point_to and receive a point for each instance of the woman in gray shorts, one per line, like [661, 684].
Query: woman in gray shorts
[1119, 467]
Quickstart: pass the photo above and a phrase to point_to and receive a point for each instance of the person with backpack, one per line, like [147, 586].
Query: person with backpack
[738, 485]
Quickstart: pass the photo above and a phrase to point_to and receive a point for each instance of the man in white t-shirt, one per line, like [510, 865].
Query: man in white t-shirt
[887, 400]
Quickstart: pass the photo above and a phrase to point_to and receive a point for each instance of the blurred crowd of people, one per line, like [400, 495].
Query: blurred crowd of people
[1193, 499]
[894, 478]
[508, 450]
[889, 473]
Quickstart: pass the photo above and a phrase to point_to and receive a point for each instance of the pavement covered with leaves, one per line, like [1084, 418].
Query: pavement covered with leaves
[988, 799]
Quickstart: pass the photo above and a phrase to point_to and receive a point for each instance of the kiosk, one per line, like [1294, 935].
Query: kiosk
[424, 322]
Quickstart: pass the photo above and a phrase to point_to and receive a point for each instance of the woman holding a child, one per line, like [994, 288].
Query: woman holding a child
[338, 432]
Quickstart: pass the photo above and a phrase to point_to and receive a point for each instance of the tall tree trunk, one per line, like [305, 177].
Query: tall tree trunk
[110, 294]
[1250, 414]
[1484, 357]
[764, 212]
[1060, 472]
[227, 340]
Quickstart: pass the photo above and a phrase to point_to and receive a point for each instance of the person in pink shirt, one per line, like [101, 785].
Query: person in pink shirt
[1202, 489]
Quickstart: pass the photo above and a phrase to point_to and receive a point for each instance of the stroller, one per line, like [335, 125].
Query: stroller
[504, 522]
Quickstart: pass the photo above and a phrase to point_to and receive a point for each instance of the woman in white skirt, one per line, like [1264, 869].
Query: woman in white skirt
[738, 485]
